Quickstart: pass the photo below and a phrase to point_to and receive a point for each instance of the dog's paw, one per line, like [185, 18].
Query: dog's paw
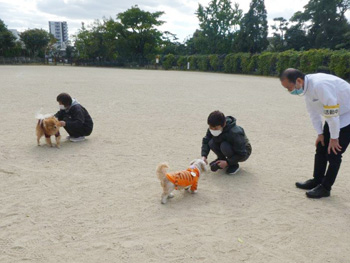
[192, 192]
[58, 146]
[164, 200]
[171, 195]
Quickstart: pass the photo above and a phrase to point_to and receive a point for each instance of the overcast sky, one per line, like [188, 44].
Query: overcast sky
[179, 14]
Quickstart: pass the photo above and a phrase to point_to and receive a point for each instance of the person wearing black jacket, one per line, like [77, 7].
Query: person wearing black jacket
[74, 118]
[227, 140]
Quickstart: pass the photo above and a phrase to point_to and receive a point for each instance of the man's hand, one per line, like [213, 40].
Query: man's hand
[320, 138]
[63, 123]
[222, 164]
[205, 159]
[334, 146]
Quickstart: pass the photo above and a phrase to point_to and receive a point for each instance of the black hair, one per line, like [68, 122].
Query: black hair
[65, 99]
[216, 118]
[292, 75]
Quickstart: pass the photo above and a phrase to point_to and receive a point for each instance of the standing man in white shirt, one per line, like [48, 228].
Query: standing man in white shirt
[328, 96]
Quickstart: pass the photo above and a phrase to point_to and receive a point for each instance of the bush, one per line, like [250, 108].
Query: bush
[232, 63]
[182, 62]
[203, 63]
[253, 64]
[340, 64]
[169, 61]
[288, 59]
[267, 64]
[193, 62]
[315, 59]
[214, 62]
[245, 62]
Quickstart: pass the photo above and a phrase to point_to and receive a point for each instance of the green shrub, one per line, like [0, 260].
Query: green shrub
[315, 59]
[253, 64]
[193, 62]
[203, 63]
[169, 61]
[267, 63]
[214, 62]
[340, 63]
[232, 63]
[288, 59]
[182, 62]
[245, 62]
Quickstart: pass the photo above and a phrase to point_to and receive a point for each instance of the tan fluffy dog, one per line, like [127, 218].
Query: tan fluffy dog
[187, 179]
[48, 126]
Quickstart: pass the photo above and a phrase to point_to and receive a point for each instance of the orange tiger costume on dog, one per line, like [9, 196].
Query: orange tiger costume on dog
[185, 178]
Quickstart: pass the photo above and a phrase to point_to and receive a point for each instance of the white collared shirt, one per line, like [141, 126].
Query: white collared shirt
[328, 96]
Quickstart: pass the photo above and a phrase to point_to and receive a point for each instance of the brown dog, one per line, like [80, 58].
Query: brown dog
[48, 126]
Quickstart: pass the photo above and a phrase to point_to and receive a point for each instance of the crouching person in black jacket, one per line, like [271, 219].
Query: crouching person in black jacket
[227, 140]
[74, 118]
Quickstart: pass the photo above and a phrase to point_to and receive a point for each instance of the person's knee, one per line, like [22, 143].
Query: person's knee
[320, 149]
[334, 159]
[226, 149]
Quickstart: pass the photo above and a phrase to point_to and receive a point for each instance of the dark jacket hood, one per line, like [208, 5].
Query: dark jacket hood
[230, 123]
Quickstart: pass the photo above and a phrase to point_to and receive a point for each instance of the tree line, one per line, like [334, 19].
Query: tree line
[133, 36]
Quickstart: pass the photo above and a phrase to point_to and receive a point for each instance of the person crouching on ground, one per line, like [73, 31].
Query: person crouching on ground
[74, 118]
[227, 140]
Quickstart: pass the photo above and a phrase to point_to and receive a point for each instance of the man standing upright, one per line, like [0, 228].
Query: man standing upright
[328, 96]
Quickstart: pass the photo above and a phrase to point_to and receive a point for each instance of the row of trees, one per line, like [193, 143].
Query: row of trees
[223, 28]
[33, 43]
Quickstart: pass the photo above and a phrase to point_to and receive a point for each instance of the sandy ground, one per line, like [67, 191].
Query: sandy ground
[99, 200]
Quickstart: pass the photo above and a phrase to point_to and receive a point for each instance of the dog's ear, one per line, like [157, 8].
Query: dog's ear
[203, 166]
[193, 161]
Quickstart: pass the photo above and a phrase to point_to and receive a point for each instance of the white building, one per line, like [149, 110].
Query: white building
[60, 31]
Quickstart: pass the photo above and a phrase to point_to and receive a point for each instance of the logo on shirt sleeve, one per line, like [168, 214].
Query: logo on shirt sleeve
[331, 111]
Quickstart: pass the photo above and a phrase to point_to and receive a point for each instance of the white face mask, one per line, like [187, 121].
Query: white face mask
[61, 107]
[215, 133]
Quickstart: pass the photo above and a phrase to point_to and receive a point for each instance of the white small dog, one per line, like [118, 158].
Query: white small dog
[187, 179]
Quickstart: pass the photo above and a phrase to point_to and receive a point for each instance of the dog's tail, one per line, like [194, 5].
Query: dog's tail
[162, 170]
[40, 116]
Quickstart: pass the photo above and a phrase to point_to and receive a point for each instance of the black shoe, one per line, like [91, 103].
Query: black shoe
[214, 166]
[232, 169]
[318, 192]
[307, 185]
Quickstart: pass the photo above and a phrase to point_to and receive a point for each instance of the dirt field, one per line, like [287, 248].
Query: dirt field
[99, 200]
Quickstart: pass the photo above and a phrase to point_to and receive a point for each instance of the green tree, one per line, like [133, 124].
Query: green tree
[35, 40]
[252, 36]
[218, 22]
[296, 38]
[7, 39]
[278, 42]
[327, 25]
[139, 37]
[82, 42]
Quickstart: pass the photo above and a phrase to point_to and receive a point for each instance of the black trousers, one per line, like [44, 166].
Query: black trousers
[78, 132]
[224, 151]
[322, 158]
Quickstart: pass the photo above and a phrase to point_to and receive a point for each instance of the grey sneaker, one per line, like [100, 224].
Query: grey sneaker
[77, 139]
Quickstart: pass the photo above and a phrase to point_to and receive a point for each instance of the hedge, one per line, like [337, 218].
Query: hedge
[267, 63]
[169, 61]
